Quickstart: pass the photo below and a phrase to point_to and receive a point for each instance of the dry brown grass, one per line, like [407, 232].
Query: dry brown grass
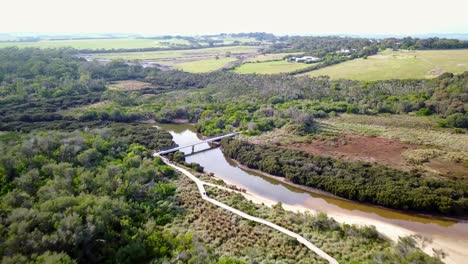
[129, 85]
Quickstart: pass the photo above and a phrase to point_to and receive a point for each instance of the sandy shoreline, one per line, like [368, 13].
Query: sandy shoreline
[456, 250]
[331, 195]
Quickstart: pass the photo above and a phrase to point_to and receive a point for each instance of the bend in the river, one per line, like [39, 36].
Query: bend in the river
[449, 235]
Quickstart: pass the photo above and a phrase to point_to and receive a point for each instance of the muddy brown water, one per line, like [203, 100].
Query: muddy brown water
[450, 231]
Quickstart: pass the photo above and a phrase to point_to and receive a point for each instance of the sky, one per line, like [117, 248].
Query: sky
[198, 17]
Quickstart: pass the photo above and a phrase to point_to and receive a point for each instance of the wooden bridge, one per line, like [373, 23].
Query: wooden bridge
[194, 144]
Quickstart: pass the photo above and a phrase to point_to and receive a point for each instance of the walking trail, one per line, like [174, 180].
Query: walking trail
[201, 189]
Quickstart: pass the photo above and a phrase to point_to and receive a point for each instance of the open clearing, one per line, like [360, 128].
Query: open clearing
[400, 141]
[353, 147]
[270, 67]
[199, 66]
[399, 65]
[129, 85]
[95, 44]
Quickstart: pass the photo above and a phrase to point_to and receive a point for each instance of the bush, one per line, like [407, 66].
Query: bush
[423, 112]
[458, 120]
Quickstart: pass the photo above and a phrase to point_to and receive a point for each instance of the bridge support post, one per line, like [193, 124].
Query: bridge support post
[193, 148]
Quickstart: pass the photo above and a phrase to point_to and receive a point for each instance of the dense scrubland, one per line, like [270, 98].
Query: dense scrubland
[75, 157]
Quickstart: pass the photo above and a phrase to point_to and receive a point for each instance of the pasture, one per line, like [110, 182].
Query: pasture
[399, 65]
[206, 65]
[96, 44]
[170, 54]
[270, 67]
[270, 57]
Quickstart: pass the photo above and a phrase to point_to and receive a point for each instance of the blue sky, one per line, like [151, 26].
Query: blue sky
[194, 17]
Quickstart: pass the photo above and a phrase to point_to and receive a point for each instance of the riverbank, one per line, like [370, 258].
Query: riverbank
[456, 251]
[200, 185]
[328, 194]
[451, 236]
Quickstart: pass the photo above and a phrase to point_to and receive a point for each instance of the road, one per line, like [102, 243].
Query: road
[200, 185]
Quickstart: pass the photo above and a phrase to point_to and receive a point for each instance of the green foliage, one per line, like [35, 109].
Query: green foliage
[230, 261]
[346, 243]
[423, 112]
[458, 120]
[354, 180]
[93, 197]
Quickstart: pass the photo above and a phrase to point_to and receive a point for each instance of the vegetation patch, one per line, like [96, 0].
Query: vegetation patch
[358, 181]
[347, 244]
[442, 138]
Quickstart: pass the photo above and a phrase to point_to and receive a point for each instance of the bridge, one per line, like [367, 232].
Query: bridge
[194, 144]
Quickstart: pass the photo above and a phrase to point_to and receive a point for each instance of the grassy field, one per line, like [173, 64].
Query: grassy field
[167, 54]
[269, 57]
[399, 65]
[199, 66]
[122, 43]
[408, 129]
[270, 67]
[231, 40]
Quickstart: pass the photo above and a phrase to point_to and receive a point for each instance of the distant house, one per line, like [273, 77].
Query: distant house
[305, 59]
[344, 51]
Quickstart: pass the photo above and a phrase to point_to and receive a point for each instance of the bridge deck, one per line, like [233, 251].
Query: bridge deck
[198, 143]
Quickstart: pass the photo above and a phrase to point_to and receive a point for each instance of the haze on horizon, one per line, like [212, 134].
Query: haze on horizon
[187, 17]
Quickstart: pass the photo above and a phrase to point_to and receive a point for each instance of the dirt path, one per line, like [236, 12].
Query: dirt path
[201, 189]
[455, 249]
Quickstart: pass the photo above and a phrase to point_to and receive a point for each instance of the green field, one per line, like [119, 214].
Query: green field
[231, 40]
[121, 43]
[167, 54]
[399, 65]
[200, 66]
[269, 57]
[270, 67]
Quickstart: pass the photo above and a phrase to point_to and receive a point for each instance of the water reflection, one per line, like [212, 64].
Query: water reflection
[226, 169]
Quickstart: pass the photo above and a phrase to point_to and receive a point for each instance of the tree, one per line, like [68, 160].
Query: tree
[89, 157]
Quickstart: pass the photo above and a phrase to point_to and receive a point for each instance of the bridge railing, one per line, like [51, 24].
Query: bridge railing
[197, 143]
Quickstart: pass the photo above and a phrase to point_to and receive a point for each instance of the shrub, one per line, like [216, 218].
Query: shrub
[423, 112]
[458, 120]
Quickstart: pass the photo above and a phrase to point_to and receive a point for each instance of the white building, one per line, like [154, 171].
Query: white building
[306, 59]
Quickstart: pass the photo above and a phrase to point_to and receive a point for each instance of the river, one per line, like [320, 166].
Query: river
[449, 235]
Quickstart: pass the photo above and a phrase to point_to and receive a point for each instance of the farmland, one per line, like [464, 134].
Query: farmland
[205, 65]
[399, 65]
[270, 67]
[151, 55]
[194, 60]
[96, 44]
[270, 57]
